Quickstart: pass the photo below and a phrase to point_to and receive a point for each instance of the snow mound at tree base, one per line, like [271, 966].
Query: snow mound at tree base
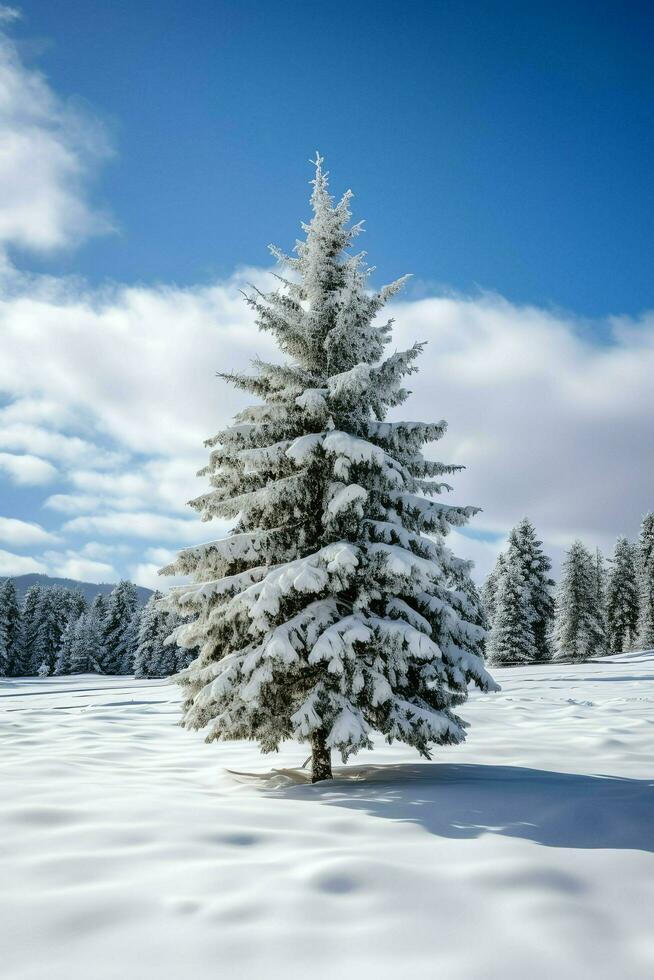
[130, 851]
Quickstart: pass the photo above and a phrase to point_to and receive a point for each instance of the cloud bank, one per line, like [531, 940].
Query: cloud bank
[548, 422]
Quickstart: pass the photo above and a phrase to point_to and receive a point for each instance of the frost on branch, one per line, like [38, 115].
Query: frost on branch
[334, 610]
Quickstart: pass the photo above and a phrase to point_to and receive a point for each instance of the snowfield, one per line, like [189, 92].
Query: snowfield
[130, 850]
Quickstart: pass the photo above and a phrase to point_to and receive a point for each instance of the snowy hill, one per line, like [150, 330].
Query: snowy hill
[130, 850]
[88, 589]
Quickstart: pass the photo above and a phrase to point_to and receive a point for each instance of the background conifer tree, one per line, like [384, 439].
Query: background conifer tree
[11, 632]
[154, 657]
[489, 589]
[601, 579]
[48, 631]
[63, 663]
[98, 608]
[86, 645]
[623, 598]
[30, 611]
[132, 640]
[646, 576]
[527, 551]
[511, 638]
[578, 624]
[328, 614]
[117, 635]
[532, 613]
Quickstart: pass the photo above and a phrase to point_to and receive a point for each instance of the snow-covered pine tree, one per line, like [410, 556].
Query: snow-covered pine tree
[154, 657]
[11, 633]
[511, 638]
[30, 613]
[646, 576]
[86, 645]
[56, 608]
[524, 553]
[48, 632]
[99, 607]
[5, 644]
[98, 612]
[578, 627]
[62, 664]
[328, 614]
[622, 598]
[116, 634]
[527, 552]
[185, 657]
[600, 579]
[489, 589]
[132, 641]
[74, 604]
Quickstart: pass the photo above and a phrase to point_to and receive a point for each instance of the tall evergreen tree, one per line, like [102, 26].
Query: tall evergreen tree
[132, 640]
[49, 628]
[117, 636]
[646, 575]
[30, 615]
[527, 552]
[622, 598]
[533, 613]
[62, 664]
[578, 625]
[511, 638]
[328, 614]
[489, 589]
[600, 580]
[154, 657]
[11, 632]
[68, 606]
[98, 612]
[99, 607]
[85, 645]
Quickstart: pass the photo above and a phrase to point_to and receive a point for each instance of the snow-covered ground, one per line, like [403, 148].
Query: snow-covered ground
[129, 850]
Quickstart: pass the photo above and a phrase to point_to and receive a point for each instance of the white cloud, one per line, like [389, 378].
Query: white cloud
[66, 503]
[104, 551]
[11, 564]
[156, 527]
[166, 484]
[137, 364]
[27, 470]
[22, 533]
[147, 574]
[38, 411]
[55, 445]
[548, 423]
[49, 151]
[72, 565]
[161, 556]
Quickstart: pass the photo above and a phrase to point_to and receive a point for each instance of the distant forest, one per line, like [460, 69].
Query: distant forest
[53, 629]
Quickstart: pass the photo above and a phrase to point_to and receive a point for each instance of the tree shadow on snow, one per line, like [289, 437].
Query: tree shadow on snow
[465, 801]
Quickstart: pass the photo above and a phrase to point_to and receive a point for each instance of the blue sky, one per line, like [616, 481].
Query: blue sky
[494, 144]
[500, 152]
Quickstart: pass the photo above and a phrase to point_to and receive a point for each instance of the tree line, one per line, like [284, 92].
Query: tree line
[595, 610]
[55, 631]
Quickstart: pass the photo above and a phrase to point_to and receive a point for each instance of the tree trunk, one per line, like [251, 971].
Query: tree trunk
[321, 759]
